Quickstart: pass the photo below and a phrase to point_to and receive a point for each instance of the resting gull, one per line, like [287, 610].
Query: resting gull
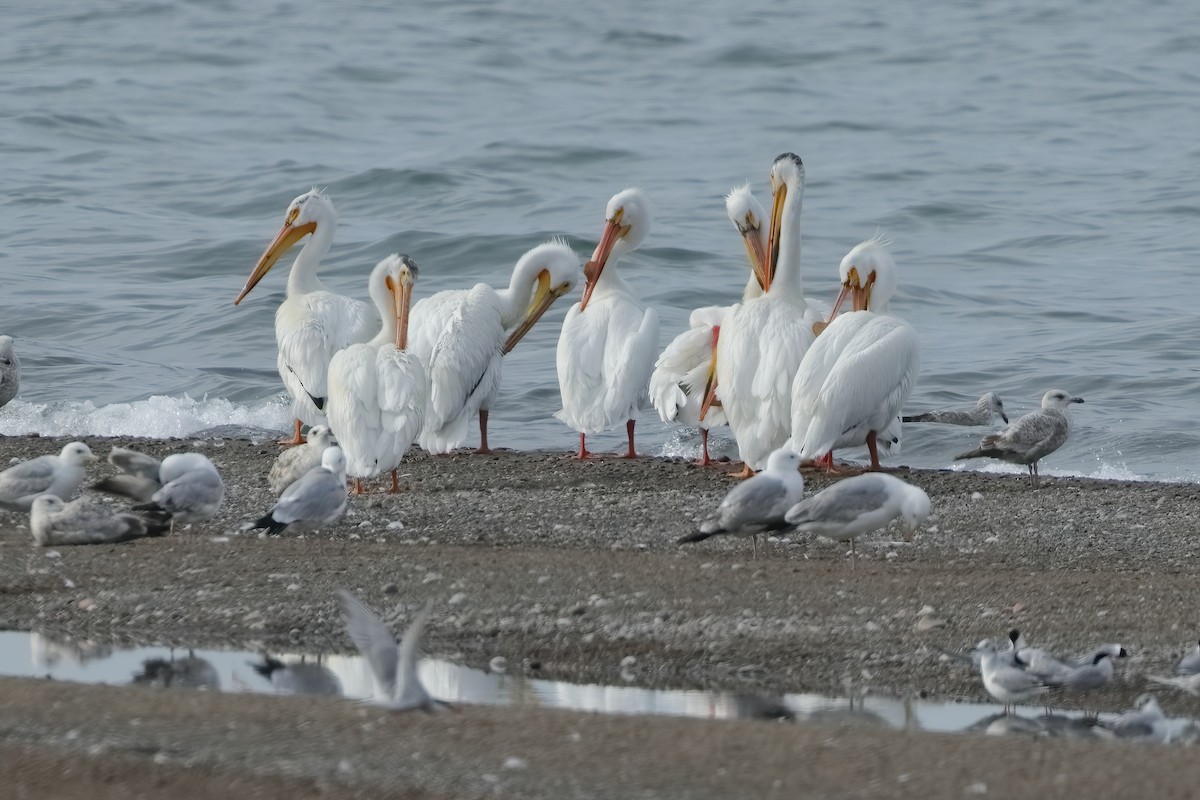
[10, 371]
[314, 501]
[293, 463]
[185, 487]
[1006, 682]
[397, 684]
[858, 505]
[1190, 663]
[55, 523]
[989, 406]
[1031, 437]
[59, 475]
[758, 504]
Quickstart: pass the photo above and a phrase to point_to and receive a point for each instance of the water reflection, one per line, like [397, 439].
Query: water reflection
[32, 654]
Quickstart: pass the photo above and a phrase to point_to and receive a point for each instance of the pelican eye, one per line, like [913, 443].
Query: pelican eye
[293, 212]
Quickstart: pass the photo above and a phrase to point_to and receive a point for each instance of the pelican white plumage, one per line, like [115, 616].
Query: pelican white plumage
[684, 374]
[377, 389]
[764, 339]
[608, 339]
[312, 323]
[856, 377]
[460, 337]
[10, 371]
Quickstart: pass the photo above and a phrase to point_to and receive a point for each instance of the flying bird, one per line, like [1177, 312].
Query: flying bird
[608, 339]
[59, 475]
[312, 323]
[1032, 437]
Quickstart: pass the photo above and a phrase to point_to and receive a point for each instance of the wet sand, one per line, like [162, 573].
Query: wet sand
[566, 568]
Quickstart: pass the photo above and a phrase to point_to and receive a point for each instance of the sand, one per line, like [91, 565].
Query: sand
[567, 568]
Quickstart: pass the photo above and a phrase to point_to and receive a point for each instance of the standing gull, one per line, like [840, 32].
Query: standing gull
[314, 501]
[55, 523]
[312, 323]
[990, 405]
[60, 475]
[294, 462]
[397, 685]
[608, 339]
[10, 371]
[1006, 682]
[1190, 663]
[1031, 437]
[858, 505]
[759, 504]
[184, 486]
[377, 390]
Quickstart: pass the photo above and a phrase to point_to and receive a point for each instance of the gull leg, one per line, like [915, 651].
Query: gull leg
[483, 449]
[629, 430]
[853, 554]
[296, 438]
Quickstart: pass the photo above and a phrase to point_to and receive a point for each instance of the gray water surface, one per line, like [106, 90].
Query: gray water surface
[1035, 165]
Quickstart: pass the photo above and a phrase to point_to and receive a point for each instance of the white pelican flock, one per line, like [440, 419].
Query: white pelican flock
[608, 340]
[312, 323]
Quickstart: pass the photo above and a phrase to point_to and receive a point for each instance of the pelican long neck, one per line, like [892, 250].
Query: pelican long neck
[787, 279]
[610, 280]
[515, 298]
[303, 277]
[387, 312]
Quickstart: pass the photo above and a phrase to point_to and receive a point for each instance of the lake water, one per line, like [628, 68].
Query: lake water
[1034, 163]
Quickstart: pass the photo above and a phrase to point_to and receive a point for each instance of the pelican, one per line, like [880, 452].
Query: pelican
[10, 371]
[377, 389]
[459, 336]
[684, 374]
[606, 348]
[312, 323]
[764, 339]
[859, 373]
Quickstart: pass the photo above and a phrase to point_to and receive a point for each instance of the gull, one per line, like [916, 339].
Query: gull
[1031, 437]
[1085, 677]
[56, 523]
[316, 500]
[858, 505]
[1190, 663]
[59, 475]
[185, 487]
[192, 672]
[1187, 683]
[397, 685]
[1008, 683]
[10, 371]
[293, 463]
[989, 406]
[299, 677]
[1038, 660]
[758, 504]
[1146, 721]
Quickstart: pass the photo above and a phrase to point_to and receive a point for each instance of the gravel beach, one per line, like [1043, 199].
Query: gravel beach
[566, 569]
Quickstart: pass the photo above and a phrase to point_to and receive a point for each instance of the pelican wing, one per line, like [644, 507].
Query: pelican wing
[464, 367]
[682, 364]
[327, 323]
[402, 392]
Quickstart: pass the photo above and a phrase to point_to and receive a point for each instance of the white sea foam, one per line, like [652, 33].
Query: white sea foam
[156, 417]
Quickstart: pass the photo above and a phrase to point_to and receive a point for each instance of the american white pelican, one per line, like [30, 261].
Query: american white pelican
[10, 371]
[858, 374]
[1031, 437]
[312, 323]
[764, 339]
[317, 499]
[377, 389]
[759, 504]
[608, 340]
[59, 475]
[397, 683]
[685, 372]
[460, 337]
[55, 523]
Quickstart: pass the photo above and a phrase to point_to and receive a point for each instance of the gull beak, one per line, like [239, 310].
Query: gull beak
[401, 298]
[1004, 417]
[543, 297]
[1076, 399]
[288, 235]
[773, 236]
[710, 386]
[613, 230]
[757, 254]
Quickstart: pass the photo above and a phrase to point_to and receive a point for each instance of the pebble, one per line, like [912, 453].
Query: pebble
[395, 525]
[512, 762]
[628, 661]
[456, 599]
[390, 588]
[499, 664]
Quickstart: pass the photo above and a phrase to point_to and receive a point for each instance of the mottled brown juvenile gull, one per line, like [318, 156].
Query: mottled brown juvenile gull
[184, 486]
[1031, 437]
[758, 504]
[10, 370]
[293, 463]
[397, 684]
[55, 523]
[858, 505]
[59, 475]
[314, 501]
[990, 405]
